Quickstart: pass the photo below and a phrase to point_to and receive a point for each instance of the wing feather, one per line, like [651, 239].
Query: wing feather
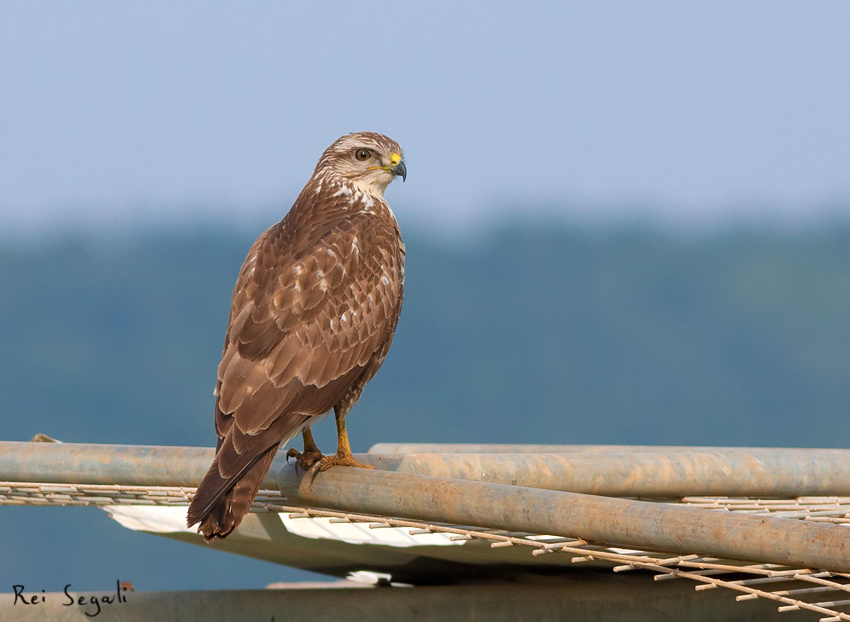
[304, 320]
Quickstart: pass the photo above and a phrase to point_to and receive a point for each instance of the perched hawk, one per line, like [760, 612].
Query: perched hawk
[312, 318]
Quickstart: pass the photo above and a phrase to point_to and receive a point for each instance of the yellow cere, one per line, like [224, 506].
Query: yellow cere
[394, 159]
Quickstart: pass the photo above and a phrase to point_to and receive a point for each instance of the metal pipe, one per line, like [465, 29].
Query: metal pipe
[638, 524]
[755, 472]
[86, 463]
[496, 448]
[720, 472]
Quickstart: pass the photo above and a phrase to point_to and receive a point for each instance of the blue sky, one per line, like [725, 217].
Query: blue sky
[121, 114]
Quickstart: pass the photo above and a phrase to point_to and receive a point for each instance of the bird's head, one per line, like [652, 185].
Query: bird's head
[365, 160]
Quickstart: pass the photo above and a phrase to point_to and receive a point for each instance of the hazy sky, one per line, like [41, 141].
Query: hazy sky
[119, 113]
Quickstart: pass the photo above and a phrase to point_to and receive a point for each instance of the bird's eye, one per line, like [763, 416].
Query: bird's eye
[362, 154]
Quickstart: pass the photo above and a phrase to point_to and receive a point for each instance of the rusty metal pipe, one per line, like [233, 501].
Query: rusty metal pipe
[664, 473]
[639, 524]
[86, 463]
[496, 448]
[719, 472]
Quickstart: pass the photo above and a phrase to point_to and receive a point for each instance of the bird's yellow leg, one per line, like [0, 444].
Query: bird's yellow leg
[343, 455]
[311, 454]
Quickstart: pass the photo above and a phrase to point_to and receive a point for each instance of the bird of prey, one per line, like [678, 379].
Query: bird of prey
[312, 318]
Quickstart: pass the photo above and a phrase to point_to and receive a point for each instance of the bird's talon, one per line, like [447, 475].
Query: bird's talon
[337, 460]
[305, 460]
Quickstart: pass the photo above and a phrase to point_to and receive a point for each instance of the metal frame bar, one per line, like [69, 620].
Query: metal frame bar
[638, 524]
[645, 473]
[511, 448]
[628, 471]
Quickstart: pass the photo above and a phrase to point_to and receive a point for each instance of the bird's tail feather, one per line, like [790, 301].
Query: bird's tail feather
[221, 503]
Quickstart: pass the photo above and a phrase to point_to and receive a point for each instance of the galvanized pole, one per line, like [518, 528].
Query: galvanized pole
[637, 524]
[654, 474]
[662, 473]
[523, 448]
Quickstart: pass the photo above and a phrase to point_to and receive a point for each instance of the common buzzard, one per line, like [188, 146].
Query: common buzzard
[311, 321]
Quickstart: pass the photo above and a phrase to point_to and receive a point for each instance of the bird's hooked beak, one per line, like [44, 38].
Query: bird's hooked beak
[397, 166]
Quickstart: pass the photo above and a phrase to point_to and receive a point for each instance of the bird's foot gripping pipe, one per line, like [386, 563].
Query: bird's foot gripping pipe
[306, 459]
[341, 460]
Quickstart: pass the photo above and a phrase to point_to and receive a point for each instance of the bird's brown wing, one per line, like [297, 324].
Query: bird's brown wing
[300, 325]
[304, 326]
